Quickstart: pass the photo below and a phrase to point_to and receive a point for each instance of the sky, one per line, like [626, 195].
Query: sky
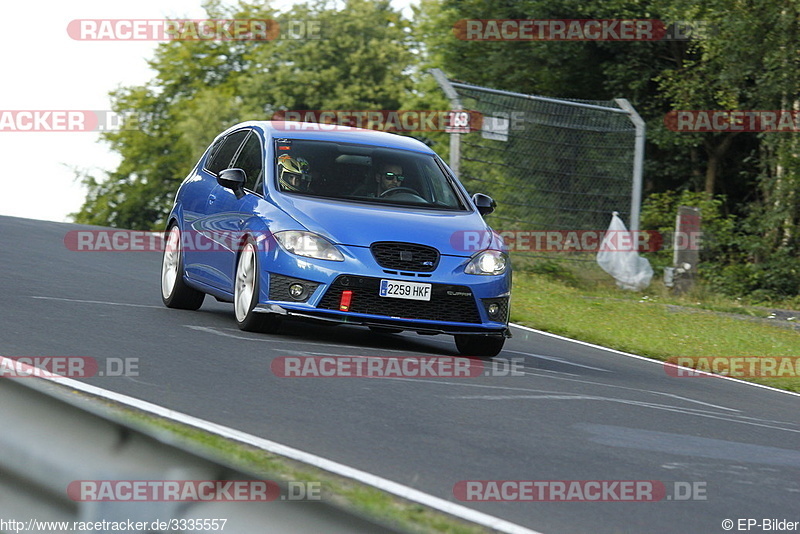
[45, 69]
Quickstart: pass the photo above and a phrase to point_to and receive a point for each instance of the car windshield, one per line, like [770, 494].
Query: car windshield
[364, 174]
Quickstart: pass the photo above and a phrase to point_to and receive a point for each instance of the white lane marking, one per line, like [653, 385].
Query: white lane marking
[291, 341]
[302, 353]
[364, 477]
[575, 396]
[694, 401]
[645, 391]
[558, 360]
[515, 388]
[602, 384]
[643, 358]
[216, 331]
[81, 301]
[764, 423]
[534, 371]
[565, 396]
[687, 411]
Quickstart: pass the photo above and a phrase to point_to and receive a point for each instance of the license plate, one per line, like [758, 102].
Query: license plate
[399, 289]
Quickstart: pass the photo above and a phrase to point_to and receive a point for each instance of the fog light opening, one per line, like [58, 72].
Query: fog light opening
[494, 310]
[297, 291]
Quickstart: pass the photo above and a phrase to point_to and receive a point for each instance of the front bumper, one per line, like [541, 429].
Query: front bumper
[420, 327]
[460, 303]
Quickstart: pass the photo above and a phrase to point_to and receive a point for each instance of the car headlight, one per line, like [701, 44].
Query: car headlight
[308, 244]
[487, 262]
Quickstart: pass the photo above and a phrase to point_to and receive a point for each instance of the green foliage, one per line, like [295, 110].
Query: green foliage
[359, 60]
[719, 231]
[358, 63]
[563, 69]
[736, 260]
[368, 56]
[768, 266]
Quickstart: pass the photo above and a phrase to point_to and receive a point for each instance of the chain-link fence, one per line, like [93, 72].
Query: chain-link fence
[550, 164]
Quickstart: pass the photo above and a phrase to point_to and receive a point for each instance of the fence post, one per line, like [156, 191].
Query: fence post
[455, 105]
[638, 162]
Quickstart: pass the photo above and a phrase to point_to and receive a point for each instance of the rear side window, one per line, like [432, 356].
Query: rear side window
[223, 155]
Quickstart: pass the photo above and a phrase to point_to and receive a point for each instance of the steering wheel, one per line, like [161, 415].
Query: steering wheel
[394, 190]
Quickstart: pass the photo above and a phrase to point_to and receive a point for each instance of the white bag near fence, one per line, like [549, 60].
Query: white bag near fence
[619, 258]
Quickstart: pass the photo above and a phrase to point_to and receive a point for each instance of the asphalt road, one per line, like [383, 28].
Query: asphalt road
[577, 413]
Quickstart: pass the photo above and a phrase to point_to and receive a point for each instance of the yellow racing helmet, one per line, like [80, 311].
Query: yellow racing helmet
[293, 173]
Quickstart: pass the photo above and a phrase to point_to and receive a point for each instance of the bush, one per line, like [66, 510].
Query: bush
[736, 259]
[719, 231]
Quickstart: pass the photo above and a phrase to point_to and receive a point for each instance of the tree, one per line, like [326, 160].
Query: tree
[563, 69]
[357, 61]
[749, 60]
[745, 58]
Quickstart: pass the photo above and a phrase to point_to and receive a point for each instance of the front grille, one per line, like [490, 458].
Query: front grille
[405, 256]
[448, 302]
[279, 288]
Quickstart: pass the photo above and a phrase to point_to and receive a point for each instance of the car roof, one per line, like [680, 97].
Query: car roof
[326, 132]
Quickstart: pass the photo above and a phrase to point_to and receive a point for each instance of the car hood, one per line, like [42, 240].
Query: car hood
[351, 223]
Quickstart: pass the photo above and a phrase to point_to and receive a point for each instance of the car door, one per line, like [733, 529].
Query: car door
[230, 214]
[204, 250]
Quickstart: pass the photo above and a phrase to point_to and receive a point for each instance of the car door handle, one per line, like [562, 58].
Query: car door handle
[212, 198]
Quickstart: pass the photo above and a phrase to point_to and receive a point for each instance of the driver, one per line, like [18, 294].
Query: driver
[389, 176]
[293, 173]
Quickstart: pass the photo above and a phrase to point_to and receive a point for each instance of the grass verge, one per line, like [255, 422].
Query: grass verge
[655, 323]
[347, 494]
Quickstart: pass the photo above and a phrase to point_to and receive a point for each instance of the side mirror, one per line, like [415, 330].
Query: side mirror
[233, 179]
[484, 203]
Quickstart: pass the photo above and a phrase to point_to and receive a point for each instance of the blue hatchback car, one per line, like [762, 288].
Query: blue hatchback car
[337, 224]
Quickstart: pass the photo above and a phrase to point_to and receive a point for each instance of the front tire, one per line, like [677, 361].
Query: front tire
[480, 346]
[174, 291]
[246, 290]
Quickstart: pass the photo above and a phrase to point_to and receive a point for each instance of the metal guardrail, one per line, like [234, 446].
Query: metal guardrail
[48, 441]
